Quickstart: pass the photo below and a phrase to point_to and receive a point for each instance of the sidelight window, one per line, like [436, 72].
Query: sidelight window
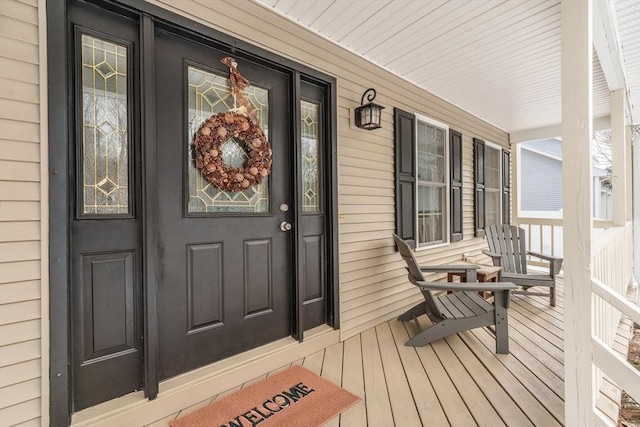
[310, 112]
[104, 167]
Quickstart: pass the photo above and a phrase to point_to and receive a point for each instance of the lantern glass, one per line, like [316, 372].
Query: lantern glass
[368, 116]
[365, 115]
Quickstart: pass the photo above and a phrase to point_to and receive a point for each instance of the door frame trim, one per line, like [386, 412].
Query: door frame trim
[60, 124]
[59, 269]
[149, 209]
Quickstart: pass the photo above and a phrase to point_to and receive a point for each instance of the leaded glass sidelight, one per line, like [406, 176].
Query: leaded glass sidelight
[310, 156]
[209, 94]
[105, 133]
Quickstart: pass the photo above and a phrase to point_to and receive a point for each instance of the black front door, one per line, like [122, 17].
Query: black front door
[154, 271]
[224, 269]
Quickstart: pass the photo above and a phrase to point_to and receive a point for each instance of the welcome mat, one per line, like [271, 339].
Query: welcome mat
[295, 397]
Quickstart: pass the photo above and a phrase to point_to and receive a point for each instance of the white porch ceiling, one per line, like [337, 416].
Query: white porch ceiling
[498, 59]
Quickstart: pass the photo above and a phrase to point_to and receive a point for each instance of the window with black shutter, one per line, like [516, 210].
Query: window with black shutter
[428, 180]
[455, 172]
[492, 185]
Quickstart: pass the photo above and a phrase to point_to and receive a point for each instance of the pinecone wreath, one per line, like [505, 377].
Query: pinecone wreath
[242, 124]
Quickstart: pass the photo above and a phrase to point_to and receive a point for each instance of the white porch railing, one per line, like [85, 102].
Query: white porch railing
[545, 235]
[612, 268]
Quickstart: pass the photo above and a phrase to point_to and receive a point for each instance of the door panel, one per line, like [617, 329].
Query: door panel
[105, 224]
[107, 286]
[258, 284]
[204, 286]
[224, 264]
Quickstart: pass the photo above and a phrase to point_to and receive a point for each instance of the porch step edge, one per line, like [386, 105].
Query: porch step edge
[196, 386]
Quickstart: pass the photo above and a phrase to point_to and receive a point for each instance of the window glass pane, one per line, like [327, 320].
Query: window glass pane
[431, 153]
[310, 157]
[210, 94]
[492, 207]
[491, 167]
[431, 214]
[105, 138]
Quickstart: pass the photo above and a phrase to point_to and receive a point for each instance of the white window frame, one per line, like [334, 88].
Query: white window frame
[500, 183]
[447, 183]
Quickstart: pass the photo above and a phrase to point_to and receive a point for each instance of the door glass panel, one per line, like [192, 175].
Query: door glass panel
[310, 157]
[209, 94]
[105, 138]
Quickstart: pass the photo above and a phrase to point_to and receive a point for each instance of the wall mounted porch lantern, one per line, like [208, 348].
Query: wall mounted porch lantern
[369, 116]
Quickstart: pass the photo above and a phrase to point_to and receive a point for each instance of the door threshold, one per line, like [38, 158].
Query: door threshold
[195, 386]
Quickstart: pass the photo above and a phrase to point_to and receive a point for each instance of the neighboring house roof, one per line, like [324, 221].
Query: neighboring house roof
[552, 147]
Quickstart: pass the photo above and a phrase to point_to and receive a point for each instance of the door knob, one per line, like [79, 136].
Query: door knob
[285, 226]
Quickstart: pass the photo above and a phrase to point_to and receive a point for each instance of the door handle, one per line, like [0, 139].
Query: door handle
[285, 226]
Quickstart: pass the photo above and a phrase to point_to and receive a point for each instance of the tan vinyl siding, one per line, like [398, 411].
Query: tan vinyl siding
[20, 214]
[373, 285]
[25, 412]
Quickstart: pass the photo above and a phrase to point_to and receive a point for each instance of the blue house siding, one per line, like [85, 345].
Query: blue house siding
[541, 182]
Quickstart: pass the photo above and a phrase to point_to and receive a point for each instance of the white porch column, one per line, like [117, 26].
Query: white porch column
[635, 150]
[629, 155]
[618, 157]
[577, 78]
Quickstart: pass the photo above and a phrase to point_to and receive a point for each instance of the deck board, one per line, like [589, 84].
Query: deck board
[424, 395]
[509, 411]
[476, 402]
[375, 385]
[525, 380]
[332, 371]
[353, 380]
[449, 397]
[456, 381]
[403, 407]
[519, 393]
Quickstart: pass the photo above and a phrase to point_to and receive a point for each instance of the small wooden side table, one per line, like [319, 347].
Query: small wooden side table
[486, 273]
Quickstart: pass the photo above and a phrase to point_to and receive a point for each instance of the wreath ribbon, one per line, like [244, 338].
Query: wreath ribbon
[239, 84]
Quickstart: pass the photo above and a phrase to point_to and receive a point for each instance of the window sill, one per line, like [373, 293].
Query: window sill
[426, 248]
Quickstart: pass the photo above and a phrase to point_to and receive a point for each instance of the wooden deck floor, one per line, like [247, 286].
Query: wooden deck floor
[458, 381]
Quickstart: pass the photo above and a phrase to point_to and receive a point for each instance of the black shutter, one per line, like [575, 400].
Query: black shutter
[506, 187]
[405, 143]
[478, 198]
[455, 153]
